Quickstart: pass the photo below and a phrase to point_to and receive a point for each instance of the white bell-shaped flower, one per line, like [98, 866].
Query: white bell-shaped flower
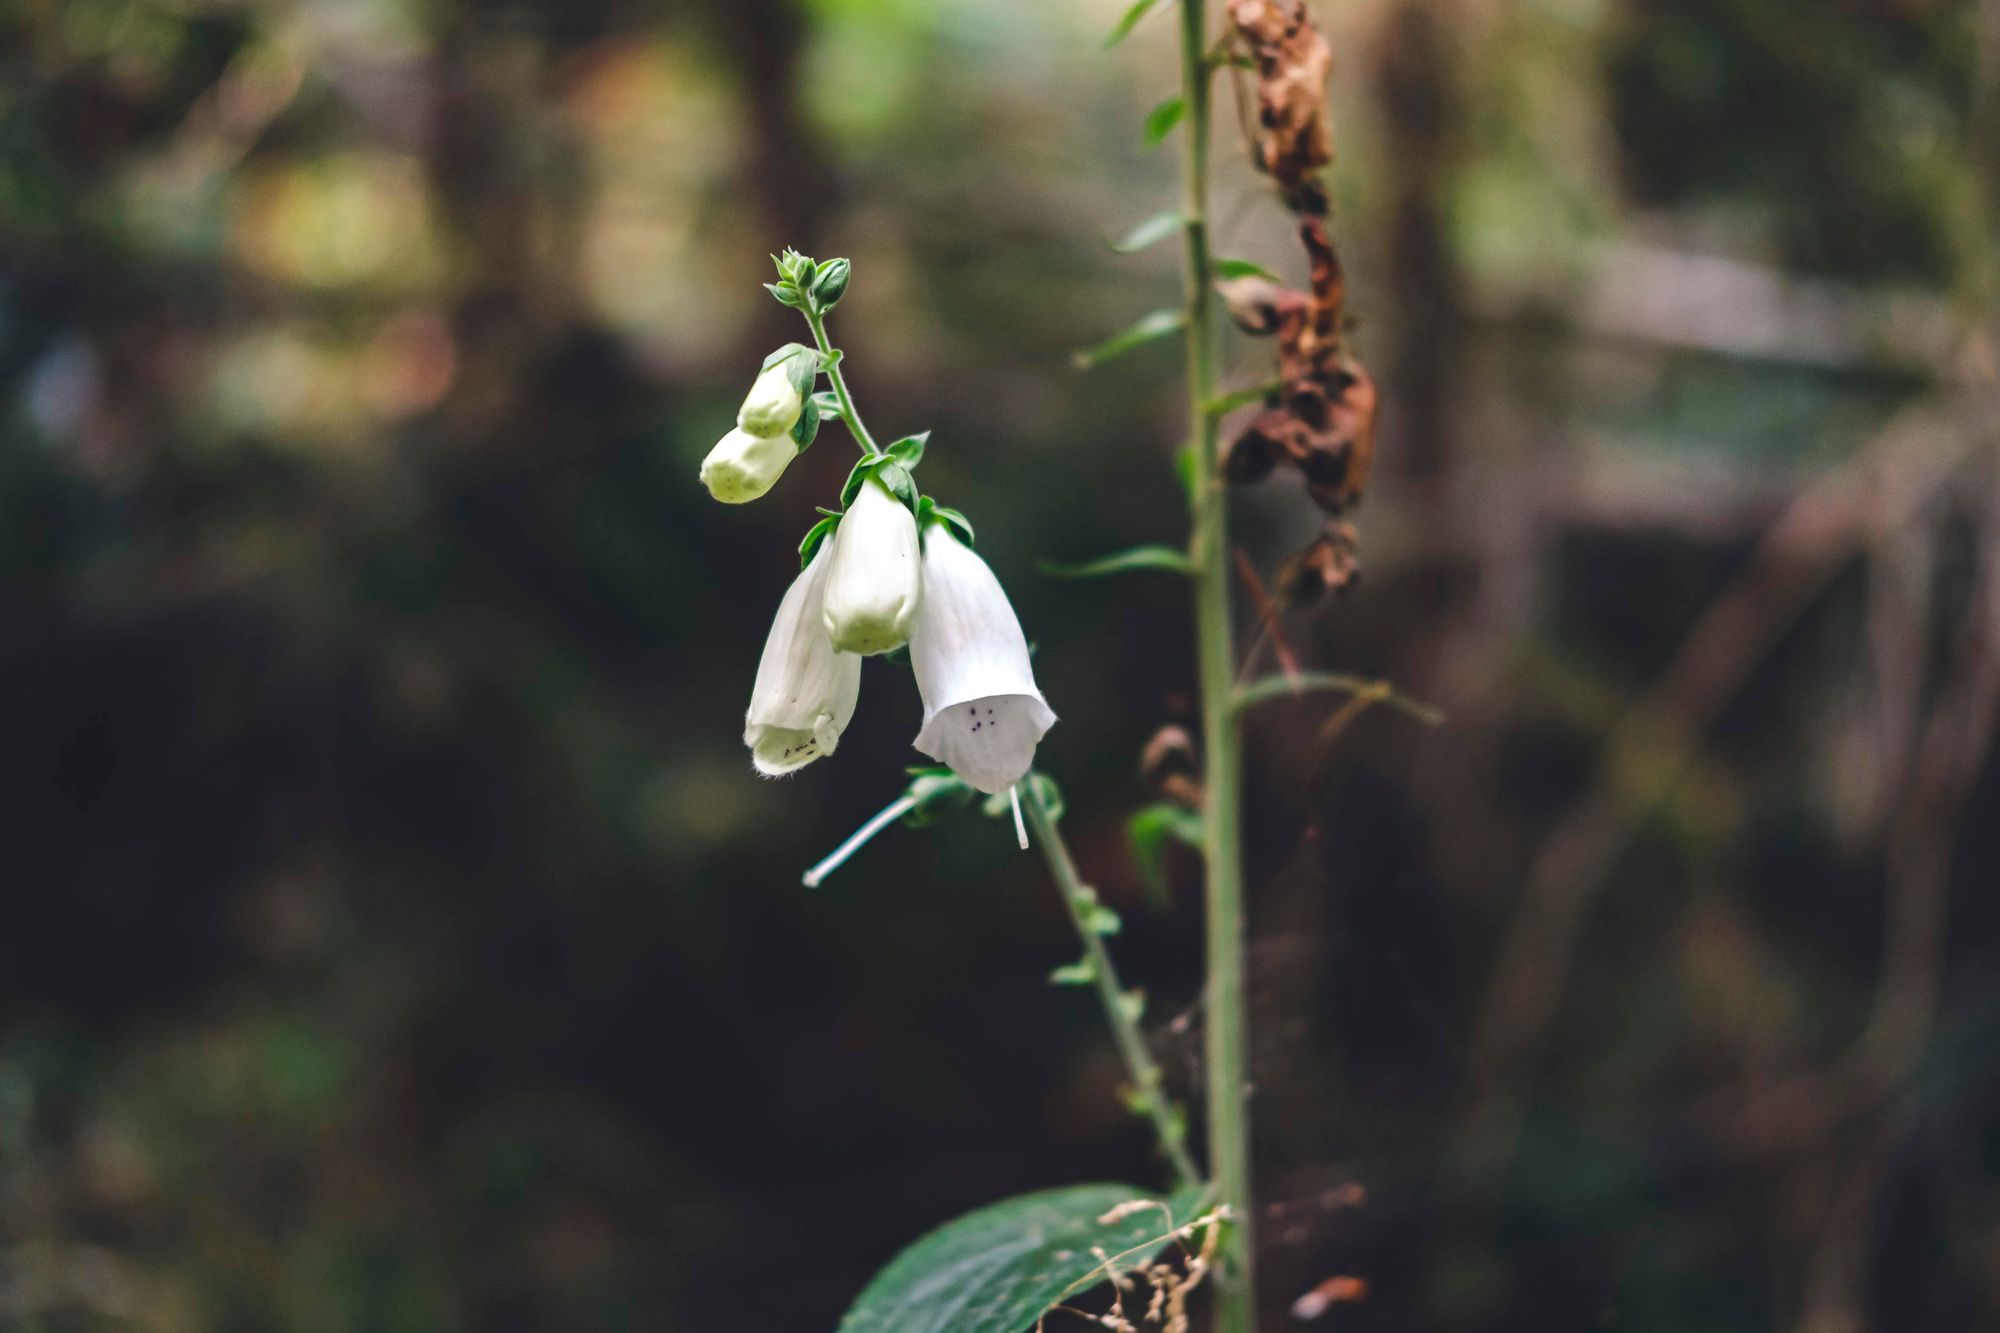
[876, 585]
[983, 715]
[805, 691]
[774, 402]
[742, 466]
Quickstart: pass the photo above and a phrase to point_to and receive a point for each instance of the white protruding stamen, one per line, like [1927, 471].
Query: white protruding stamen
[1020, 825]
[888, 815]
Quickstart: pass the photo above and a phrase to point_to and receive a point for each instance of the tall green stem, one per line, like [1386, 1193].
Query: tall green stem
[832, 363]
[1148, 1086]
[1227, 1029]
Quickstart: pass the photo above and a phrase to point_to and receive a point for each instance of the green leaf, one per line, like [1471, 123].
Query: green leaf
[1124, 562]
[1159, 324]
[896, 479]
[1130, 20]
[1161, 120]
[1187, 464]
[1082, 972]
[909, 451]
[1153, 230]
[1242, 268]
[816, 534]
[806, 429]
[829, 403]
[1003, 1267]
[1148, 831]
[1255, 393]
[1101, 920]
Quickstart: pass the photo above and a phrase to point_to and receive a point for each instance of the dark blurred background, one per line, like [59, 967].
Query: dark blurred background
[395, 936]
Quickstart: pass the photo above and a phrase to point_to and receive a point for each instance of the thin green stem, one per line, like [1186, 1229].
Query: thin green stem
[832, 362]
[1227, 1029]
[1148, 1085]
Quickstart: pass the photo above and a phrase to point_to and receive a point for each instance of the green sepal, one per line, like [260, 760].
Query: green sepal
[930, 512]
[829, 403]
[786, 294]
[806, 428]
[909, 451]
[816, 534]
[801, 363]
[892, 474]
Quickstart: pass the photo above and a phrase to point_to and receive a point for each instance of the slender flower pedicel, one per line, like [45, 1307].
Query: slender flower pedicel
[983, 715]
[875, 588]
[743, 466]
[805, 692]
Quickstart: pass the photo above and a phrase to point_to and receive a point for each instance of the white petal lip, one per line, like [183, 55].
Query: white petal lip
[742, 467]
[805, 692]
[772, 406]
[983, 715]
[876, 586]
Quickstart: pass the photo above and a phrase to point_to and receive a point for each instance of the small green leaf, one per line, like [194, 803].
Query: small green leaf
[896, 479]
[1082, 972]
[909, 451]
[1124, 562]
[816, 534]
[1148, 831]
[786, 294]
[1161, 120]
[1130, 20]
[1153, 230]
[829, 403]
[1187, 463]
[1003, 1267]
[806, 429]
[1242, 268]
[1159, 324]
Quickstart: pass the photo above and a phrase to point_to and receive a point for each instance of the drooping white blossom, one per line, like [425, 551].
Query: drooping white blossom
[805, 691]
[983, 715]
[773, 405]
[743, 466]
[875, 588]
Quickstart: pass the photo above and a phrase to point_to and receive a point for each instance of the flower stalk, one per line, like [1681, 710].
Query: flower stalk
[830, 361]
[1148, 1084]
[1226, 1033]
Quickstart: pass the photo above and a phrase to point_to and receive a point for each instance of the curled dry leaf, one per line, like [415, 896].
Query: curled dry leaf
[1324, 420]
[1329, 563]
[1293, 62]
[1168, 768]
